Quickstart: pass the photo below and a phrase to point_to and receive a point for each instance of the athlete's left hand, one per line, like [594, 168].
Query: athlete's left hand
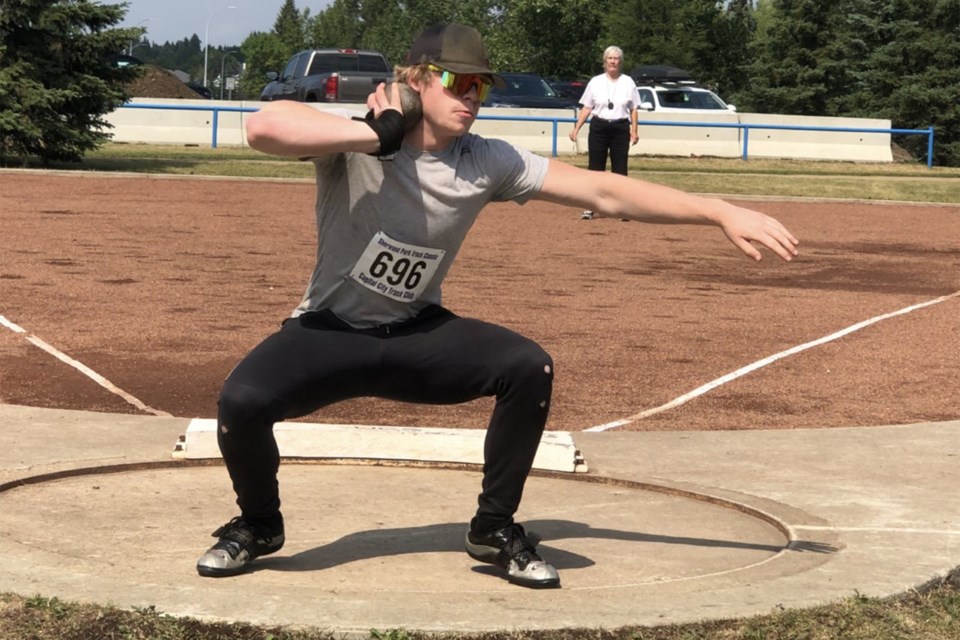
[743, 226]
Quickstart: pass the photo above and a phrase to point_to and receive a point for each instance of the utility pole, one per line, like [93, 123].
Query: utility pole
[223, 78]
[144, 31]
[206, 40]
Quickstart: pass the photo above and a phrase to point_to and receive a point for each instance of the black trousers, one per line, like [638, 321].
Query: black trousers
[436, 358]
[608, 139]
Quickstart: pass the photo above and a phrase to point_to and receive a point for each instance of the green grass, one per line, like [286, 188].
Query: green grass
[932, 613]
[899, 181]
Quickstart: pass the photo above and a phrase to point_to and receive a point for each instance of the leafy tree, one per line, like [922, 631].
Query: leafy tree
[421, 14]
[557, 38]
[265, 52]
[672, 32]
[59, 77]
[389, 26]
[337, 26]
[262, 52]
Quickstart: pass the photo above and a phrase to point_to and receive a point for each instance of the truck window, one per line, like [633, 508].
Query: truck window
[290, 68]
[322, 64]
[372, 63]
[346, 62]
[301, 63]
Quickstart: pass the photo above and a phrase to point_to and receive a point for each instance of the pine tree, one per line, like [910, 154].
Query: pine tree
[730, 41]
[59, 77]
[806, 58]
[289, 28]
[912, 73]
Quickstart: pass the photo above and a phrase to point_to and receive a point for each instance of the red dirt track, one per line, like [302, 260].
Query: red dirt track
[161, 285]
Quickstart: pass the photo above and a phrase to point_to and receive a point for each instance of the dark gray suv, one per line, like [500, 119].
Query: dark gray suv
[527, 91]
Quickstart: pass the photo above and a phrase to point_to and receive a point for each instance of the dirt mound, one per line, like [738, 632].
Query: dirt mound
[156, 82]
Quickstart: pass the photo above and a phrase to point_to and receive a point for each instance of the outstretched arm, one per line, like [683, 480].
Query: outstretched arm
[622, 197]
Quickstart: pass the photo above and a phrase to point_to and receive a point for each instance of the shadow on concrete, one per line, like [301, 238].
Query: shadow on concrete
[448, 538]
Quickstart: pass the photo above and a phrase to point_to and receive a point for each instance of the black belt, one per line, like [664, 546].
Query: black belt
[620, 121]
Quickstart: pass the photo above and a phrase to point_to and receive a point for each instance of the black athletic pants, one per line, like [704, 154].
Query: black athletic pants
[436, 358]
[608, 138]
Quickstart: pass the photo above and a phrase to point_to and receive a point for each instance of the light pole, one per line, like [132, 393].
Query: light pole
[141, 35]
[206, 41]
[223, 79]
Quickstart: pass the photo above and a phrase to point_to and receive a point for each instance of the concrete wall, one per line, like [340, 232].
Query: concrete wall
[162, 126]
[181, 126]
[533, 135]
[816, 145]
[723, 142]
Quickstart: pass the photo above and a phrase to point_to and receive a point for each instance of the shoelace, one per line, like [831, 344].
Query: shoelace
[520, 547]
[236, 531]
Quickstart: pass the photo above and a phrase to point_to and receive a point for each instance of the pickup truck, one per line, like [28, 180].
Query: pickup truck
[328, 75]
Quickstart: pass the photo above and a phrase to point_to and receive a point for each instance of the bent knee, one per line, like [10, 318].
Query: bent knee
[243, 406]
[531, 364]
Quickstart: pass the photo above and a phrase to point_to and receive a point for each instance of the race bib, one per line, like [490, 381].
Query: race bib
[397, 270]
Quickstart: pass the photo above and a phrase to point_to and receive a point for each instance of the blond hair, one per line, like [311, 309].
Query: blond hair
[419, 73]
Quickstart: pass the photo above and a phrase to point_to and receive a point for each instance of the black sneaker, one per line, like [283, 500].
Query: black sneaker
[514, 550]
[240, 542]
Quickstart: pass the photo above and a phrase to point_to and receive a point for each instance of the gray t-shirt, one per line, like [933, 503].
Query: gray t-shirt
[388, 231]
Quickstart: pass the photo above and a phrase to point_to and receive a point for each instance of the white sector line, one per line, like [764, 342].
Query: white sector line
[699, 391]
[82, 368]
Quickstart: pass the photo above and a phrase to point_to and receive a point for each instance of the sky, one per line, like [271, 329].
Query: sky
[172, 20]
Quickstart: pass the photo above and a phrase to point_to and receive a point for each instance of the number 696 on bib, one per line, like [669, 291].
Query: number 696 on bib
[395, 269]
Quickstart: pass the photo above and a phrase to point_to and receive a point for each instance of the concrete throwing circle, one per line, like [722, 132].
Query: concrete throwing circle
[375, 543]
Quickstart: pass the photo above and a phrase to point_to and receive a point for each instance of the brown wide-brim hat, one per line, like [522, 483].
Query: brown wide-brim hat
[453, 47]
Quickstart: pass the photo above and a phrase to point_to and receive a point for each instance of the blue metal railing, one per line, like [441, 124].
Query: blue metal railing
[790, 127]
[217, 109]
[556, 120]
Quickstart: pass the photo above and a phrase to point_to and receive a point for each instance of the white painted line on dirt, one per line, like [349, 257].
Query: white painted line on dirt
[82, 368]
[699, 391]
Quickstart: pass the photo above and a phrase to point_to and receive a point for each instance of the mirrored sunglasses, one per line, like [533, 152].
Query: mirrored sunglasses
[461, 83]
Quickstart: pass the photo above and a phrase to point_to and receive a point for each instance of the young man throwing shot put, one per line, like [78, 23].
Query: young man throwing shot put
[393, 207]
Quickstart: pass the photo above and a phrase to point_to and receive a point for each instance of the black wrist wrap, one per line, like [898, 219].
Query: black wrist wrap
[389, 129]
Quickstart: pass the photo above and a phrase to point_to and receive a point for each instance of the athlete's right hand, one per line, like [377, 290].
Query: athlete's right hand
[385, 96]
